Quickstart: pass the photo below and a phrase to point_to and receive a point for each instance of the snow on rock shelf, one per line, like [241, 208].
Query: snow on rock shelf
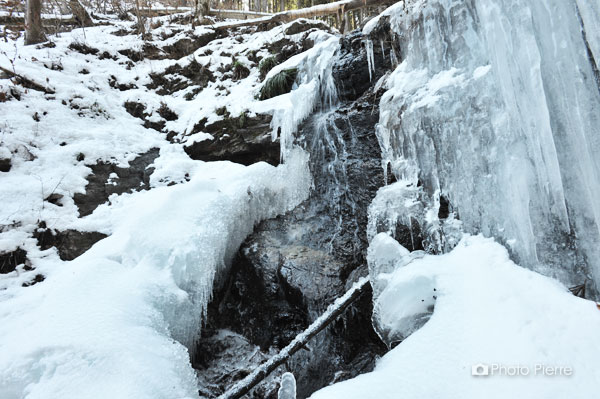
[486, 310]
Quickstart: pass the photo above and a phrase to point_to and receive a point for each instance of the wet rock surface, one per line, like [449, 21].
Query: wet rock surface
[5, 164]
[352, 71]
[243, 139]
[107, 179]
[292, 267]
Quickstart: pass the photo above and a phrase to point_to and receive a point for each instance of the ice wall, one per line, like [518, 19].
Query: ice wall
[496, 105]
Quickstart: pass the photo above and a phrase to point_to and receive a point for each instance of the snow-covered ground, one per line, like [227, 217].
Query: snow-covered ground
[118, 320]
[533, 337]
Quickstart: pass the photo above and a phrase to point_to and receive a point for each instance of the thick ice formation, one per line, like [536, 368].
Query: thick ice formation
[486, 310]
[496, 105]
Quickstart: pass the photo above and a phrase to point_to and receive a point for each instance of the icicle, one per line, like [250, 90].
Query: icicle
[370, 58]
[393, 58]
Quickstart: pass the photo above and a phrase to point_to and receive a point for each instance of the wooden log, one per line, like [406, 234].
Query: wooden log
[310, 12]
[333, 311]
[26, 82]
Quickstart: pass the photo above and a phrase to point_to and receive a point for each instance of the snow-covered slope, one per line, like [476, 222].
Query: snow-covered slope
[118, 321]
[486, 311]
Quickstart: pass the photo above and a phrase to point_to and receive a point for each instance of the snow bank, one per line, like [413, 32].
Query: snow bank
[114, 320]
[118, 320]
[486, 310]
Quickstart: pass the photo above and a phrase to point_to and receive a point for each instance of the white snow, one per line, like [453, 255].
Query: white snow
[487, 311]
[119, 320]
[287, 389]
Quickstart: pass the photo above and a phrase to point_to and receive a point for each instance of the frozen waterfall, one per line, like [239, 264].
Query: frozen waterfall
[496, 105]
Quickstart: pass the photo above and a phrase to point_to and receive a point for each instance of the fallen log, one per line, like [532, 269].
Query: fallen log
[310, 12]
[26, 82]
[237, 14]
[332, 313]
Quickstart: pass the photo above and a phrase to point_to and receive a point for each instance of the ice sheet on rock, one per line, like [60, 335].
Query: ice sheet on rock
[486, 310]
[499, 109]
[399, 209]
[114, 320]
[315, 87]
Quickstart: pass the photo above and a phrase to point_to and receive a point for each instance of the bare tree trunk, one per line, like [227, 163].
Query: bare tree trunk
[33, 22]
[140, 20]
[347, 27]
[281, 5]
[80, 13]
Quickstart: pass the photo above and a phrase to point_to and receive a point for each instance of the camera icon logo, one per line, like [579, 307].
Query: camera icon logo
[480, 369]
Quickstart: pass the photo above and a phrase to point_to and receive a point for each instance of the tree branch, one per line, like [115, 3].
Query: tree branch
[332, 312]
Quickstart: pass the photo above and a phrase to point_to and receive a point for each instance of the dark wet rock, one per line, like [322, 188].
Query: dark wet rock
[138, 110]
[69, 243]
[302, 25]
[304, 260]
[99, 188]
[37, 279]
[351, 73]
[287, 47]
[166, 113]
[10, 260]
[54, 199]
[133, 55]
[189, 44]
[257, 303]
[243, 139]
[135, 109]
[226, 358]
[5, 164]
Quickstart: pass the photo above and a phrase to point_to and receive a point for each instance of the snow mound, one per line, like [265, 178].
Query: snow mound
[487, 311]
[115, 320]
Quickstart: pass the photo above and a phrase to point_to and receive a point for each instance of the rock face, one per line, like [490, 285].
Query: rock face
[10, 260]
[243, 139]
[101, 185]
[292, 267]
[69, 243]
[5, 164]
